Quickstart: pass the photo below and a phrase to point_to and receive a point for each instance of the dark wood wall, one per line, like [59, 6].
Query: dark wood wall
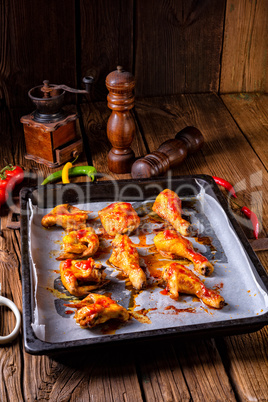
[171, 46]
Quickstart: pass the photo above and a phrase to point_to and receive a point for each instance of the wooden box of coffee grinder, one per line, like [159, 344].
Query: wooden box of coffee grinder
[50, 132]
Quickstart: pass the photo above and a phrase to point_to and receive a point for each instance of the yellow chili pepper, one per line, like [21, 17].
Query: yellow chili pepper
[65, 172]
[89, 171]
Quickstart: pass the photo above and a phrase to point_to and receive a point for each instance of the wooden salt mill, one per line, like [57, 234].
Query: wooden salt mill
[121, 126]
[169, 155]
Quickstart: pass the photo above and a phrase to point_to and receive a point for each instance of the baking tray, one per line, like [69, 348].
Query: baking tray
[247, 308]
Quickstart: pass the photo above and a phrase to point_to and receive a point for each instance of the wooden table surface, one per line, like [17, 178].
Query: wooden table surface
[233, 368]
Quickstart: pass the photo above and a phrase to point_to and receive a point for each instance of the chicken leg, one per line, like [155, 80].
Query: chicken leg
[125, 257]
[178, 278]
[168, 206]
[170, 244]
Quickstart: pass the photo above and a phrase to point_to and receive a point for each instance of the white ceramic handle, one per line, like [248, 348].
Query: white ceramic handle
[9, 338]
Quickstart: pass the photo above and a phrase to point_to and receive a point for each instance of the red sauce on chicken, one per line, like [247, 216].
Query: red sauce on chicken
[85, 265]
[81, 233]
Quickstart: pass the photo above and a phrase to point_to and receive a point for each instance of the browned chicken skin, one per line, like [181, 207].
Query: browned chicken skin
[170, 244]
[119, 217]
[67, 216]
[81, 243]
[126, 257]
[97, 309]
[179, 279]
[81, 277]
[168, 206]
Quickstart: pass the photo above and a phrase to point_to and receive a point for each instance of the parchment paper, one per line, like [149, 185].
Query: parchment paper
[234, 276]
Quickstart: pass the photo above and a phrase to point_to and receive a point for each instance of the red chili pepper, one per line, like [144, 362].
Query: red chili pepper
[225, 184]
[254, 219]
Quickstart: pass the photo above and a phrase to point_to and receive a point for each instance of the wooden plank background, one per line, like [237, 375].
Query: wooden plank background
[178, 46]
[106, 39]
[37, 43]
[170, 46]
[244, 59]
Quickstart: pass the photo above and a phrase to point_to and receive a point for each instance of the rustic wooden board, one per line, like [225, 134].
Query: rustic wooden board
[175, 50]
[106, 40]
[114, 376]
[250, 114]
[101, 375]
[183, 370]
[161, 374]
[244, 62]
[38, 43]
[204, 372]
[246, 360]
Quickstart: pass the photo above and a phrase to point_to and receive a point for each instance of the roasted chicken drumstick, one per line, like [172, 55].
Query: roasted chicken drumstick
[119, 217]
[97, 309]
[172, 245]
[178, 278]
[67, 216]
[168, 206]
[81, 277]
[79, 244]
[125, 257]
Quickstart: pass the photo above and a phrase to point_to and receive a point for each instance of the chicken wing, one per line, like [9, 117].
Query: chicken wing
[119, 217]
[178, 278]
[67, 216]
[79, 244]
[125, 257]
[80, 277]
[96, 309]
[170, 244]
[168, 206]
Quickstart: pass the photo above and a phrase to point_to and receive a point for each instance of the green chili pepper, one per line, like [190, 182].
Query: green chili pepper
[75, 171]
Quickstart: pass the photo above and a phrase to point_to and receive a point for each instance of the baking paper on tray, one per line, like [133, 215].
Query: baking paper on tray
[234, 276]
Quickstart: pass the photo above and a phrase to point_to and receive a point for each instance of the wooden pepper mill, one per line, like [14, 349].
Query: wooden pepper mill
[121, 126]
[169, 155]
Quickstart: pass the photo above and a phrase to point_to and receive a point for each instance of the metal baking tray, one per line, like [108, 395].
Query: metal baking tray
[238, 274]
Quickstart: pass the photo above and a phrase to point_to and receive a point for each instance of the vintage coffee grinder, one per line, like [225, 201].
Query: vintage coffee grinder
[49, 131]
